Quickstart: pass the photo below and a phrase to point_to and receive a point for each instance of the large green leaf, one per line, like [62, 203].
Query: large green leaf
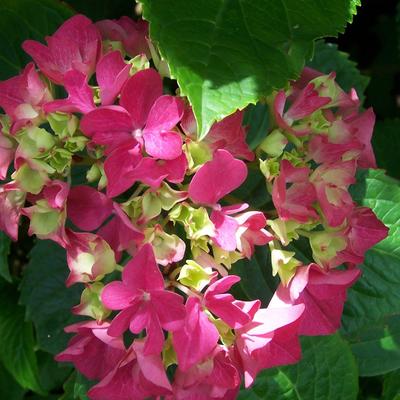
[26, 19]
[4, 252]
[327, 371]
[226, 54]
[391, 386]
[48, 302]
[376, 295]
[17, 342]
[377, 349]
[386, 143]
[327, 58]
[9, 388]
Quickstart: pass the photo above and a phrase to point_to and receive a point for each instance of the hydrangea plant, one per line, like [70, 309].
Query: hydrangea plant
[156, 225]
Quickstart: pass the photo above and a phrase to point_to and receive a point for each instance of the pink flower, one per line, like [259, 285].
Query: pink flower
[217, 377]
[87, 207]
[132, 34]
[22, 98]
[216, 178]
[295, 202]
[331, 182]
[12, 200]
[323, 294]
[307, 101]
[76, 45]
[225, 306]
[137, 376]
[111, 74]
[144, 302]
[363, 232]
[89, 257]
[269, 340]
[144, 114]
[228, 134]
[80, 95]
[197, 337]
[92, 351]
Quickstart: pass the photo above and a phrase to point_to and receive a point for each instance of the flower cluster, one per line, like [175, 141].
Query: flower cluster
[150, 230]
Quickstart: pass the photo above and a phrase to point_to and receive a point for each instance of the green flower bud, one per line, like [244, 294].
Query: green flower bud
[195, 276]
[91, 304]
[284, 264]
[274, 143]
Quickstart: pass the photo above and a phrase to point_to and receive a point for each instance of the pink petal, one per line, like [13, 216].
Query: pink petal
[196, 339]
[225, 228]
[139, 94]
[165, 113]
[109, 126]
[142, 272]
[119, 167]
[80, 95]
[111, 74]
[163, 145]
[117, 296]
[121, 321]
[170, 309]
[216, 178]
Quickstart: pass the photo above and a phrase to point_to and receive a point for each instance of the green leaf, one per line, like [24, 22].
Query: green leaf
[256, 118]
[26, 19]
[328, 58]
[48, 302]
[76, 387]
[9, 388]
[17, 342]
[51, 373]
[376, 294]
[386, 144]
[391, 386]
[377, 349]
[327, 371]
[226, 54]
[103, 9]
[256, 281]
[4, 252]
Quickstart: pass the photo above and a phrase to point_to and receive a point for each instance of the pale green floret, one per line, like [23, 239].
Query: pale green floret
[44, 220]
[30, 180]
[274, 143]
[151, 205]
[35, 142]
[139, 63]
[195, 276]
[198, 153]
[326, 245]
[63, 125]
[284, 264]
[195, 220]
[169, 197]
[269, 168]
[285, 230]
[91, 304]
